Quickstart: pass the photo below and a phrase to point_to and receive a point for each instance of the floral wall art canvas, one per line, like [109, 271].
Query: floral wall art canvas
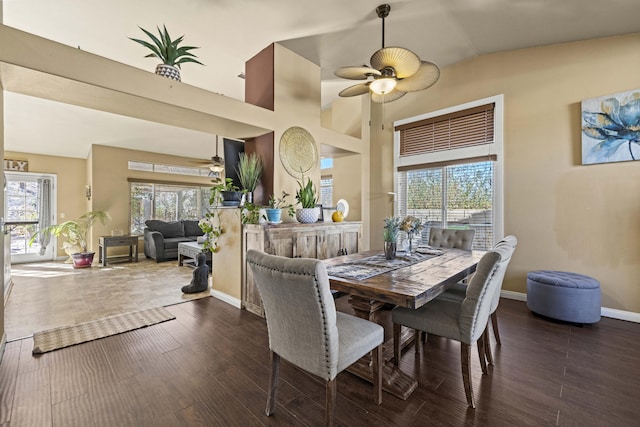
[611, 128]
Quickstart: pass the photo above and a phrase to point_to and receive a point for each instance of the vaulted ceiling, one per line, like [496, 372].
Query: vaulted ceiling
[331, 33]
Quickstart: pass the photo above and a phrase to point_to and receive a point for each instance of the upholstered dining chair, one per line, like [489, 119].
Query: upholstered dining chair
[451, 238]
[458, 291]
[306, 330]
[461, 321]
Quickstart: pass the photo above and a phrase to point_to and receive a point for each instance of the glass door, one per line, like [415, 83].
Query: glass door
[29, 198]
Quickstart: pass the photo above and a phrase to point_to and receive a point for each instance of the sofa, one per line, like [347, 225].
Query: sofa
[161, 238]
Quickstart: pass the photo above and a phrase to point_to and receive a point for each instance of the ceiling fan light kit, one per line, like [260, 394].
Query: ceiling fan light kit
[394, 71]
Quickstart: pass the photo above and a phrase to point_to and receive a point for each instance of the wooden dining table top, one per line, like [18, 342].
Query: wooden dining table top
[411, 286]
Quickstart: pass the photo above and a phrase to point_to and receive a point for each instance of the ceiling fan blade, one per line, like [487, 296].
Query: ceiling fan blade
[356, 73]
[403, 61]
[427, 75]
[391, 96]
[355, 90]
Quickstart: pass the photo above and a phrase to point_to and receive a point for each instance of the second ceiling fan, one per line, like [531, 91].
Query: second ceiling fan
[394, 71]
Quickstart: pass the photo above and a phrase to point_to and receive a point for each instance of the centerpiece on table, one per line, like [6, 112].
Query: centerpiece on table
[390, 236]
[412, 226]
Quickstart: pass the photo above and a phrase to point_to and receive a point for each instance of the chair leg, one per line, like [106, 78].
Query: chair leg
[417, 339]
[376, 356]
[397, 329]
[273, 383]
[494, 323]
[487, 345]
[465, 359]
[330, 403]
[481, 354]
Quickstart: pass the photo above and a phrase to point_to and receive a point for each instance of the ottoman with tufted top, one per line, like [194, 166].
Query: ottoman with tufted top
[560, 295]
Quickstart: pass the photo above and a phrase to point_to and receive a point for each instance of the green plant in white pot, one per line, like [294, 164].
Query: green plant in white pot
[76, 234]
[169, 52]
[306, 196]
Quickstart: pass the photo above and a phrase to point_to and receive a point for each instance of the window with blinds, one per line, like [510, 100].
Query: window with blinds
[456, 196]
[456, 190]
[465, 128]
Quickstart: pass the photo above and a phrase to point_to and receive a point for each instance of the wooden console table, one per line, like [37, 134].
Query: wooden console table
[130, 240]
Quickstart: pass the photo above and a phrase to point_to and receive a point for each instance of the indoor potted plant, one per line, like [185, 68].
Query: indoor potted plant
[276, 204]
[228, 192]
[75, 234]
[306, 196]
[390, 236]
[249, 171]
[169, 52]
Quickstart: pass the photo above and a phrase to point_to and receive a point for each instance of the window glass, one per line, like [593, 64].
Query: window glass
[166, 202]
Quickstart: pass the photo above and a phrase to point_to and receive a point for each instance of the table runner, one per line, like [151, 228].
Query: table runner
[377, 264]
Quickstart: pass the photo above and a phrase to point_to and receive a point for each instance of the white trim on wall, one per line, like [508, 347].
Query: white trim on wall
[497, 148]
[612, 313]
[226, 298]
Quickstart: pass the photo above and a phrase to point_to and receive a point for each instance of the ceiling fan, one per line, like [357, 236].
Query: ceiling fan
[216, 164]
[394, 71]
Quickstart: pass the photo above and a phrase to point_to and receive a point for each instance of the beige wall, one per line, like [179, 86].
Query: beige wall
[110, 174]
[566, 216]
[71, 179]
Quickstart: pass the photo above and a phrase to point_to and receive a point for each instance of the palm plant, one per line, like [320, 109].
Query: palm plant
[167, 50]
[75, 232]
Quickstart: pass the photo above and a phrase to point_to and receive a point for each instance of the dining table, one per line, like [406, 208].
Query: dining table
[411, 280]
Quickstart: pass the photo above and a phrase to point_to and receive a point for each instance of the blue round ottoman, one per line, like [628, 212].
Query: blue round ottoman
[560, 295]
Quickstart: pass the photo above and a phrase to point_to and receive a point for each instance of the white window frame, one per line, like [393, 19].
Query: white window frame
[495, 148]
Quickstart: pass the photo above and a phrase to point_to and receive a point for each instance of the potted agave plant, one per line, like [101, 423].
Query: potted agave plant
[169, 52]
[75, 234]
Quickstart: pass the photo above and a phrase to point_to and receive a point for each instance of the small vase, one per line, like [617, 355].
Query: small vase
[390, 250]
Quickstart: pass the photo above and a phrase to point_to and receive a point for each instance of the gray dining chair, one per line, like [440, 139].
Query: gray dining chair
[448, 238]
[458, 291]
[306, 330]
[461, 321]
[451, 238]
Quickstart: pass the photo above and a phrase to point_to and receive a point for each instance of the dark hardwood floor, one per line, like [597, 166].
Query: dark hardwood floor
[210, 367]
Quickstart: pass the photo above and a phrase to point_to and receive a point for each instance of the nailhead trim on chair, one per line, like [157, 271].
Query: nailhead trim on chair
[324, 314]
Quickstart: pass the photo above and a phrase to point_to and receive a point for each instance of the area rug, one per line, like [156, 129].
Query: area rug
[65, 336]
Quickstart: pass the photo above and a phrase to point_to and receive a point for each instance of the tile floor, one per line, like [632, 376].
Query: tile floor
[50, 294]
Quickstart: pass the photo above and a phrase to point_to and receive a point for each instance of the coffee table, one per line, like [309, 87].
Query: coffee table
[191, 250]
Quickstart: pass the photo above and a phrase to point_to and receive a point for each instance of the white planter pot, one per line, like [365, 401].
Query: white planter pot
[307, 215]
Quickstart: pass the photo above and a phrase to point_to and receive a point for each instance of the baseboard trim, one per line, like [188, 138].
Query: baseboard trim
[226, 298]
[613, 313]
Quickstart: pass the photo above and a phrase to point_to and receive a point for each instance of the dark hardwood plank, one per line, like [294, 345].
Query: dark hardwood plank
[210, 367]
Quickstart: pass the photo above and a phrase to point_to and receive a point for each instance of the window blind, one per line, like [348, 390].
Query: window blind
[464, 128]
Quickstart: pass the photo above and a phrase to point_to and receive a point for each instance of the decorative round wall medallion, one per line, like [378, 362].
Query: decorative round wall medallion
[298, 152]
